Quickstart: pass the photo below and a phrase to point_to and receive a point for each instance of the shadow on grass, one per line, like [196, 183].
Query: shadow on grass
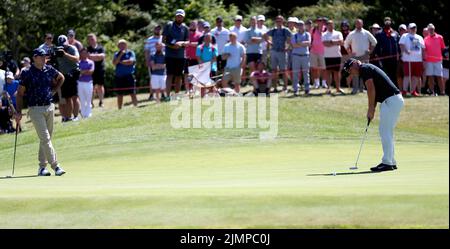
[345, 173]
[17, 177]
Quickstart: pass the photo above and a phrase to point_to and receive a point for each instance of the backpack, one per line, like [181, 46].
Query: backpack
[212, 48]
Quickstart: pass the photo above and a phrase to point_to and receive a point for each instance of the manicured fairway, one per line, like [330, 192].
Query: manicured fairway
[130, 169]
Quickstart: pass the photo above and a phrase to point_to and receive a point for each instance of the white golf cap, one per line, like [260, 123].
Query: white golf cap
[9, 75]
[261, 18]
[402, 26]
[292, 19]
[430, 26]
[412, 25]
[180, 12]
[376, 26]
[238, 17]
[300, 22]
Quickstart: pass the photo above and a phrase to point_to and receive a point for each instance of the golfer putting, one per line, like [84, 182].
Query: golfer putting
[380, 89]
[38, 84]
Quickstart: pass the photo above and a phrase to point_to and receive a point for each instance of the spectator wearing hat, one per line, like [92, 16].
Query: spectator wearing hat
[332, 40]
[25, 63]
[239, 29]
[412, 46]
[69, 67]
[125, 62]
[73, 41]
[191, 48]
[222, 36]
[253, 39]
[37, 86]
[278, 54]
[308, 25]
[97, 54]
[200, 25]
[149, 50]
[360, 43]
[317, 54]
[434, 47]
[387, 49]
[402, 29]
[11, 86]
[206, 30]
[301, 41]
[176, 39]
[261, 19]
[375, 28]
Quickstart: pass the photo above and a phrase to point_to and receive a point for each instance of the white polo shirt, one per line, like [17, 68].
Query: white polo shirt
[222, 37]
[360, 41]
[240, 32]
[333, 51]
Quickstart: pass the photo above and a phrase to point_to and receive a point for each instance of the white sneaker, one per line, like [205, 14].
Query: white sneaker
[75, 119]
[316, 85]
[59, 171]
[324, 85]
[43, 172]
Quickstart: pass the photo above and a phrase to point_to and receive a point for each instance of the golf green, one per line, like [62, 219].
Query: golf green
[131, 169]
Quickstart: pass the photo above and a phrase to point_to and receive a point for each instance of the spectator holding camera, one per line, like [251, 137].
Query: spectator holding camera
[67, 57]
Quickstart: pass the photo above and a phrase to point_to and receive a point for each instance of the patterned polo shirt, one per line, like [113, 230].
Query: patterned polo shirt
[38, 85]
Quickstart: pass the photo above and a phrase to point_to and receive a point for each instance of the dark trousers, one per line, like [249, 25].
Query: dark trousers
[390, 68]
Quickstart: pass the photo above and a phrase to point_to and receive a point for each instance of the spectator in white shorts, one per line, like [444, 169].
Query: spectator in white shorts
[260, 25]
[159, 76]
[85, 83]
[434, 46]
[234, 54]
[360, 43]
[150, 49]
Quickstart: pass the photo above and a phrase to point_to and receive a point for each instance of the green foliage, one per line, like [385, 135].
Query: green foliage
[334, 9]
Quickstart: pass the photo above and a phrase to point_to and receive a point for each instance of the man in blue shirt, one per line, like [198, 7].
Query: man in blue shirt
[125, 83]
[38, 84]
[278, 54]
[11, 87]
[301, 42]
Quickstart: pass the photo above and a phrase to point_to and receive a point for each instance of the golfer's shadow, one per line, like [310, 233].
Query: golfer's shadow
[17, 177]
[345, 173]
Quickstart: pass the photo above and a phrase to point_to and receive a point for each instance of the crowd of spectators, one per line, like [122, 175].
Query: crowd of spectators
[307, 54]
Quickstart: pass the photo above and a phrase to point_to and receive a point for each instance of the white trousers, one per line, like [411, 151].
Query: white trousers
[389, 114]
[85, 94]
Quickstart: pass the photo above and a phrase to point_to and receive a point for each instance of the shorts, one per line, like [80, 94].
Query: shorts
[278, 60]
[233, 74]
[69, 88]
[317, 61]
[333, 64]
[125, 84]
[175, 66]
[188, 63]
[253, 58]
[434, 69]
[158, 81]
[416, 68]
[98, 77]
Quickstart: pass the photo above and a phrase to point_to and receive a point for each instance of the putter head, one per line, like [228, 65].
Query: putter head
[354, 168]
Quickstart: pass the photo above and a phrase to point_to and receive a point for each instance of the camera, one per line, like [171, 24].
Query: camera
[56, 52]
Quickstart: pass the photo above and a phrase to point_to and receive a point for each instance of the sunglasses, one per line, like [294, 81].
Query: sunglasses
[49, 38]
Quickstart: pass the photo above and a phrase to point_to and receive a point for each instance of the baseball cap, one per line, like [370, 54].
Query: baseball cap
[375, 26]
[402, 26]
[292, 19]
[62, 40]
[348, 64]
[206, 25]
[180, 12]
[300, 22]
[122, 41]
[430, 26]
[238, 17]
[261, 18]
[219, 18]
[412, 25]
[71, 32]
[9, 75]
[387, 19]
[26, 59]
[39, 52]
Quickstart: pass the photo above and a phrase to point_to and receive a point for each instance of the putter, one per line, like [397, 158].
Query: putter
[360, 148]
